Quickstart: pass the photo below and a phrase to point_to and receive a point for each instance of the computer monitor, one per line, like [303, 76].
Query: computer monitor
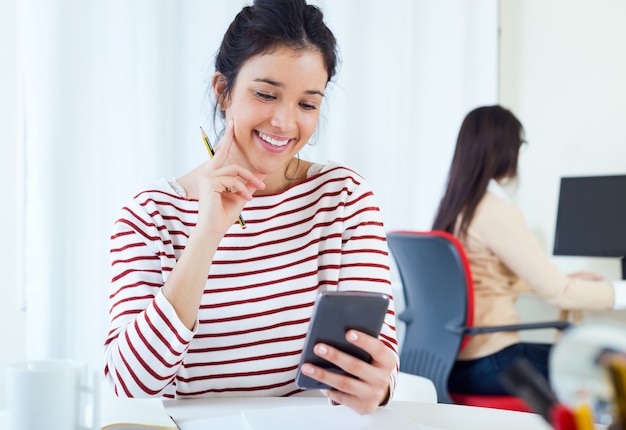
[591, 218]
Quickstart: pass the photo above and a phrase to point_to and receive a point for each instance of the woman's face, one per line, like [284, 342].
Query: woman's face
[275, 105]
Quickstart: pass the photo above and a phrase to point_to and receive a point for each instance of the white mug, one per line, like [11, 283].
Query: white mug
[51, 395]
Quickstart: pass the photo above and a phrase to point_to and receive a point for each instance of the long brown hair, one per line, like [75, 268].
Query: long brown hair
[487, 148]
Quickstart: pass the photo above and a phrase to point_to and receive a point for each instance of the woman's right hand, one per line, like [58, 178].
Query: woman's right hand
[218, 210]
[224, 188]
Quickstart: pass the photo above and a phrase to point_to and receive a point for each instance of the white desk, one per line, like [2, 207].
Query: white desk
[451, 417]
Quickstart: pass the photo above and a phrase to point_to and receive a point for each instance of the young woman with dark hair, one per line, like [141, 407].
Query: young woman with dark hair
[200, 306]
[505, 258]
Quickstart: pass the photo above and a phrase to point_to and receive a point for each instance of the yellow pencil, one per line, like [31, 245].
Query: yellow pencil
[209, 148]
[617, 376]
[584, 417]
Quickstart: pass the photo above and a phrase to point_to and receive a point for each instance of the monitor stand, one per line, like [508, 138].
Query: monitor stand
[624, 268]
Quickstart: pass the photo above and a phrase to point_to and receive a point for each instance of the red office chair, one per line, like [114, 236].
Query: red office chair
[439, 308]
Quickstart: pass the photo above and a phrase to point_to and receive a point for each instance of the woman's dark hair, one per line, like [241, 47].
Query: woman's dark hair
[487, 148]
[268, 25]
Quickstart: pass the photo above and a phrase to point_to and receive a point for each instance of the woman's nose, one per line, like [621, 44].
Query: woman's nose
[284, 117]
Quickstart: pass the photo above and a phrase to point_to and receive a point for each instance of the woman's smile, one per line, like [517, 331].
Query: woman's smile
[274, 143]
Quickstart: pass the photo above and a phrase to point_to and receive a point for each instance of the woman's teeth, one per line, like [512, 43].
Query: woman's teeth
[272, 141]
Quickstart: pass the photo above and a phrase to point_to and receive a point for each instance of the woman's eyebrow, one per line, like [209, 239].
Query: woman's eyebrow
[281, 85]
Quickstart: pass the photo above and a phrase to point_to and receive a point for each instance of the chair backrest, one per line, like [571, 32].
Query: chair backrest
[438, 294]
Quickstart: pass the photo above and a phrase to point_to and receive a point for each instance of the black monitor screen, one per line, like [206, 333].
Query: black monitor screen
[591, 219]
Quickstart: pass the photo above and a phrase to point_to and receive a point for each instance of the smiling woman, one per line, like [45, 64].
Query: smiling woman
[201, 308]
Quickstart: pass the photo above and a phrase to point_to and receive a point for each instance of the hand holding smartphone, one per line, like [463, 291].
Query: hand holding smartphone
[334, 313]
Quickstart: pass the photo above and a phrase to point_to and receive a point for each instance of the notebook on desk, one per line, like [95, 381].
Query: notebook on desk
[119, 413]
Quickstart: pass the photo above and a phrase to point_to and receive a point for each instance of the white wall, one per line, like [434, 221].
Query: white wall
[11, 316]
[410, 71]
[562, 72]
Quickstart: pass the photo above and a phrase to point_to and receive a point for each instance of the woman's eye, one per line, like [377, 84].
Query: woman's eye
[307, 106]
[265, 96]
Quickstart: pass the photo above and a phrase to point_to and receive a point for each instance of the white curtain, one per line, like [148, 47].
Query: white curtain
[114, 92]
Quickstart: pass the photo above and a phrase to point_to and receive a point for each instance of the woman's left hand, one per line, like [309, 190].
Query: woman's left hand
[366, 392]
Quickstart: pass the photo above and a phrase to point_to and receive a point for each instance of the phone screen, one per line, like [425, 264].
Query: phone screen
[334, 313]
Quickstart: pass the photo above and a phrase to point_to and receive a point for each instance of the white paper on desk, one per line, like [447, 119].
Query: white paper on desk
[323, 417]
[320, 417]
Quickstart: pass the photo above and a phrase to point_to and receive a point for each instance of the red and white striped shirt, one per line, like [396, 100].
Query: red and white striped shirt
[324, 233]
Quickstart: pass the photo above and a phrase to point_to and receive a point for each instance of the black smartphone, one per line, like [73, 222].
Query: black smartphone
[334, 313]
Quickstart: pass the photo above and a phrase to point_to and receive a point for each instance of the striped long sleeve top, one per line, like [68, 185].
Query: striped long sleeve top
[324, 233]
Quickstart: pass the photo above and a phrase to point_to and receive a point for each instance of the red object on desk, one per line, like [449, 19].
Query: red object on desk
[563, 418]
[510, 403]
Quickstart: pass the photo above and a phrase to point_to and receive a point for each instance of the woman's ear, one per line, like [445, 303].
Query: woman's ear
[219, 89]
